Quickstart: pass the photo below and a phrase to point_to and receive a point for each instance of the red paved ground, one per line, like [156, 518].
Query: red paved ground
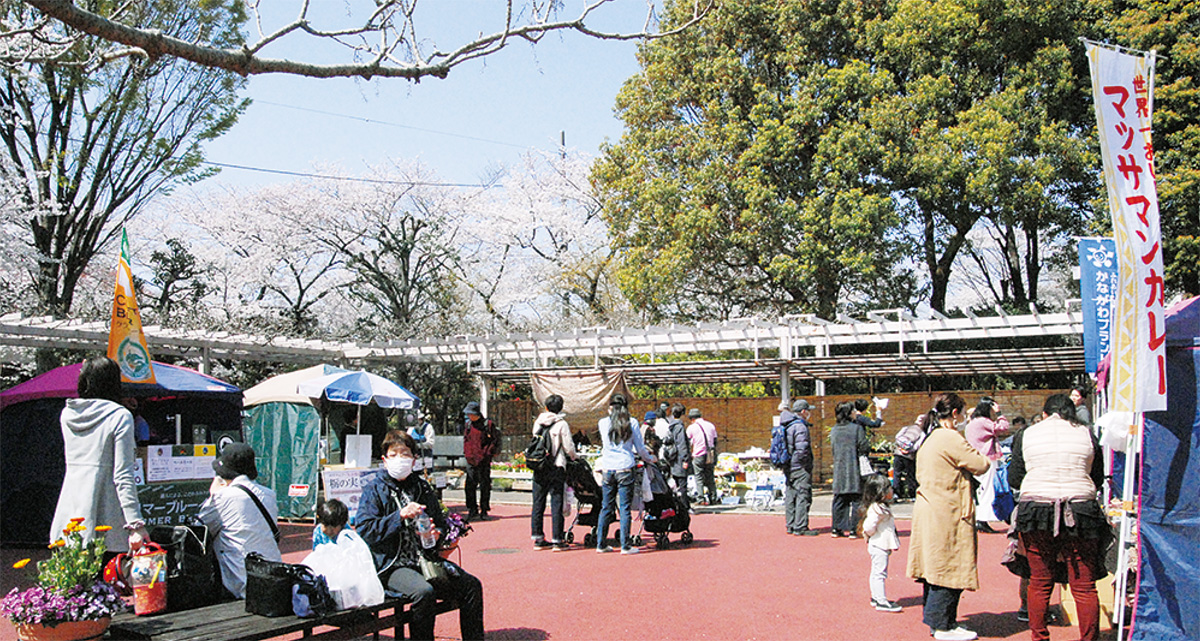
[742, 578]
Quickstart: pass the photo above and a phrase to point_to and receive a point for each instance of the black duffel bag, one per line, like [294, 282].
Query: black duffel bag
[269, 585]
[193, 577]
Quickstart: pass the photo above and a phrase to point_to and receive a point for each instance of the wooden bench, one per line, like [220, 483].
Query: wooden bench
[230, 622]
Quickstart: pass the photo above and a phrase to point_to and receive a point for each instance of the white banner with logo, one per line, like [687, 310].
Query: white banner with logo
[1123, 92]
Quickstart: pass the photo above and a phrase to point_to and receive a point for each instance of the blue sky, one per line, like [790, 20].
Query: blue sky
[487, 111]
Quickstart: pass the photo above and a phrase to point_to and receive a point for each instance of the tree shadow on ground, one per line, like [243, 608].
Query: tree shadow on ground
[518, 634]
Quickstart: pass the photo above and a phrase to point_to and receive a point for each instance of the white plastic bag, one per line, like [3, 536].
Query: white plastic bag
[349, 570]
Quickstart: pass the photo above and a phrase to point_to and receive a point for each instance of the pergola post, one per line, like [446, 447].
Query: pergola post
[785, 384]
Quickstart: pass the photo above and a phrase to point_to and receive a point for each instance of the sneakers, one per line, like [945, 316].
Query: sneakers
[807, 533]
[542, 544]
[630, 550]
[1023, 616]
[604, 549]
[957, 634]
[560, 547]
[886, 606]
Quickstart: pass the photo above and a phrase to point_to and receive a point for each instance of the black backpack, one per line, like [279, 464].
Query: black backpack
[537, 453]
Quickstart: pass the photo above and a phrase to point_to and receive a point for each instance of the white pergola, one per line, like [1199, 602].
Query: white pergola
[800, 347]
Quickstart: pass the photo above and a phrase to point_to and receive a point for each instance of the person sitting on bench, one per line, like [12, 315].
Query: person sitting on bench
[241, 514]
[387, 521]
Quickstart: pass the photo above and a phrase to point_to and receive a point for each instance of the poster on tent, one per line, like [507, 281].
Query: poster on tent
[1123, 95]
[1098, 281]
[346, 486]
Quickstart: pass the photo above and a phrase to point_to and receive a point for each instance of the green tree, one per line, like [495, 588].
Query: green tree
[745, 181]
[987, 128]
[93, 142]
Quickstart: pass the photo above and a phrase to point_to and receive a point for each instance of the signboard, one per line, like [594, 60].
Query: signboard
[346, 486]
[177, 463]
[1123, 93]
[174, 503]
[1098, 282]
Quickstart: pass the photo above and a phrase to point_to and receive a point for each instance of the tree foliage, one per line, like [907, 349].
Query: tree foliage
[746, 180]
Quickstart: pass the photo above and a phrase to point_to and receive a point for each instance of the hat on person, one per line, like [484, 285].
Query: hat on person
[651, 416]
[694, 412]
[235, 460]
[472, 408]
[800, 405]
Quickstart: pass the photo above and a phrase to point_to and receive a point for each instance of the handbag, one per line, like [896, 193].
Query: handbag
[269, 586]
[433, 570]
[310, 595]
[193, 577]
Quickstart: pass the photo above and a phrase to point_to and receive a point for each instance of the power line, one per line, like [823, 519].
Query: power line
[392, 124]
[301, 174]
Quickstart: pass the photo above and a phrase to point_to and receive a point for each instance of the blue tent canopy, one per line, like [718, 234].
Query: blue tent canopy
[1169, 520]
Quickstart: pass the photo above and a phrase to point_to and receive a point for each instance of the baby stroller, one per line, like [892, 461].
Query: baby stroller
[666, 511]
[587, 491]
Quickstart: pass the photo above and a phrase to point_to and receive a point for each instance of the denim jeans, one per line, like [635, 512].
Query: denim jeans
[463, 587]
[552, 484]
[941, 606]
[618, 485]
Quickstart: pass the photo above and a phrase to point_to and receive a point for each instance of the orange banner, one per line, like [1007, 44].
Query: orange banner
[126, 341]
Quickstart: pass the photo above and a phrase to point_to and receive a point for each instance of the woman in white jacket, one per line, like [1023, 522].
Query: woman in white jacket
[98, 442]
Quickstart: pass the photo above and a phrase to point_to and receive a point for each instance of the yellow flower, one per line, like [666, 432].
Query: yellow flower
[57, 544]
[20, 564]
[77, 520]
[103, 528]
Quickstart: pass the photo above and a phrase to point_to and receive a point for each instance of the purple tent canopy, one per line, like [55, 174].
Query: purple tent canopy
[61, 383]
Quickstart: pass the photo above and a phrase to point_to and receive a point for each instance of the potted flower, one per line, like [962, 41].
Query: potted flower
[69, 602]
[456, 528]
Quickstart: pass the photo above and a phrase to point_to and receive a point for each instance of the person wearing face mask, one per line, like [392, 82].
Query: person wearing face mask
[387, 521]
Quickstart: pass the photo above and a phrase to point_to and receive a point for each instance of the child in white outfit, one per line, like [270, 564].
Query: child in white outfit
[879, 528]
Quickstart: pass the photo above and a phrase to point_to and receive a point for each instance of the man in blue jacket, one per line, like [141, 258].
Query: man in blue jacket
[798, 497]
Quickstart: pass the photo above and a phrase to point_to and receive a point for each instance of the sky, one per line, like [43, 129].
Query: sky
[485, 113]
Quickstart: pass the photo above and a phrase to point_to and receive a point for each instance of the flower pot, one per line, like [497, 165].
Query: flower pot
[64, 631]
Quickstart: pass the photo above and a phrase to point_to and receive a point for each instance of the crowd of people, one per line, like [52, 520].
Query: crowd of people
[1054, 464]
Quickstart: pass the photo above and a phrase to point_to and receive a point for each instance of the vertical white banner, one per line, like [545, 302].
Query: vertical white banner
[1123, 92]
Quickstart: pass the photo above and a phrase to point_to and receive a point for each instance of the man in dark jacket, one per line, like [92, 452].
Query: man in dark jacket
[798, 496]
[481, 443]
[677, 450]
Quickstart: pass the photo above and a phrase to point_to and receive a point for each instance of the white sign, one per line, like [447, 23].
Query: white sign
[1123, 92]
[346, 486]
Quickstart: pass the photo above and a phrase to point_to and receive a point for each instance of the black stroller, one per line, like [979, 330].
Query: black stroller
[587, 493]
[666, 511]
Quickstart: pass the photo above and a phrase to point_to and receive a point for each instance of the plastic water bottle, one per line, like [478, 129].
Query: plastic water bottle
[425, 529]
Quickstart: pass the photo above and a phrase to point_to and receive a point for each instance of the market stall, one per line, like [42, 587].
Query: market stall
[367, 395]
[284, 428]
[185, 414]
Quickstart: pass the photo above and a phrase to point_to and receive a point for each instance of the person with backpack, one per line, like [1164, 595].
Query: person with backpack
[984, 432]
[798, 469]
[904, 459]
[554, 443]
[677, 451]
[481, 443]
[703, 436]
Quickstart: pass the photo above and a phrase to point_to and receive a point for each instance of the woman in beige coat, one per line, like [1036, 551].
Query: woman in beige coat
[942, 548]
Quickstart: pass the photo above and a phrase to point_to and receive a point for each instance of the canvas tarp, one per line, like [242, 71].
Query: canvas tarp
[284, 437]
[585, 396]
[1169, 520]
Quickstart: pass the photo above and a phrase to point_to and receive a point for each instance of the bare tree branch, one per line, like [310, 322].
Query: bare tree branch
[396, 53]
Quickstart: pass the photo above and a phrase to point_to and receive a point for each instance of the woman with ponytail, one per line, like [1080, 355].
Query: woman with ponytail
[622, 445]
[943, 547]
